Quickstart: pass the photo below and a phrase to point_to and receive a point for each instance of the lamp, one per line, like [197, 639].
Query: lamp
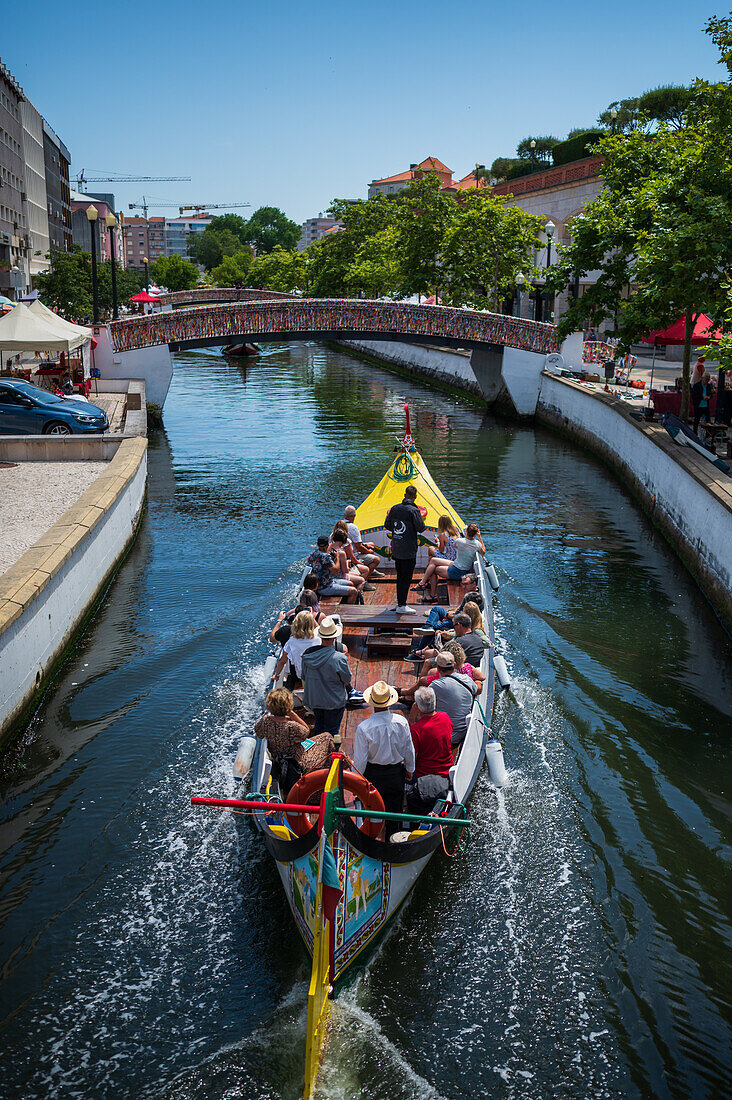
[92, 214]
[613, 118]
[532, 146]
[111, 226]
[145, 263]
[520, 280]
[549, 230]
[479, 168]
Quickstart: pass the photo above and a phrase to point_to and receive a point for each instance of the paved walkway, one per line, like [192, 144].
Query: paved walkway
[34, 496]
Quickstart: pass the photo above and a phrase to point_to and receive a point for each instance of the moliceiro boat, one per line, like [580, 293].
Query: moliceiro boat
[343, 879]
[240, 349]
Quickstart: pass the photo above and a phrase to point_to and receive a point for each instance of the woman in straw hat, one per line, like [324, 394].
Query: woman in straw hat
[383, 749]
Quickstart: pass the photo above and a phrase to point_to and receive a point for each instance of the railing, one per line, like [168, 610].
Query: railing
[204, 294]
[551, 177]
[332, 318]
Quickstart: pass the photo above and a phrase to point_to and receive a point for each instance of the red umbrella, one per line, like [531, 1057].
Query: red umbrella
[143, 296]
[676, 334]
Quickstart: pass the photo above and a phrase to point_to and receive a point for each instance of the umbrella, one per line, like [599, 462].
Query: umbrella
[143, 296]
[676, 334]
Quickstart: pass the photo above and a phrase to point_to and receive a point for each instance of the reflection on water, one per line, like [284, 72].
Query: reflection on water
[577, 949]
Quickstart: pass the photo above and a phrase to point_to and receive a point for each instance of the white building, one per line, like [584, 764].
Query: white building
[35, 199]
[177, 231]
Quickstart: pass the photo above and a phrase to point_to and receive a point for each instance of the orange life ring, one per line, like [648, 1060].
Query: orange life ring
[314, 783]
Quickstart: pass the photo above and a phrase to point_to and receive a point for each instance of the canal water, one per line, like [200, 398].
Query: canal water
[580, 948]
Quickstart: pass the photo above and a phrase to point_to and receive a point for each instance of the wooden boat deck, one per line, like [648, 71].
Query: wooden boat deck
[373, 619]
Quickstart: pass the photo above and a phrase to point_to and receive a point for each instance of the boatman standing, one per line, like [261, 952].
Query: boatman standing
[404, 523]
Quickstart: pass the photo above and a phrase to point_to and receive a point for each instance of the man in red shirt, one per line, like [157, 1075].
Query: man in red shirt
[432, 737]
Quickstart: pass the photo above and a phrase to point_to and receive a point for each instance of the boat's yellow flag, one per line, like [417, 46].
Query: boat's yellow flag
[407, 469]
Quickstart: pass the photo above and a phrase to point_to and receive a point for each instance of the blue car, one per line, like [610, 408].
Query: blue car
[27, 410]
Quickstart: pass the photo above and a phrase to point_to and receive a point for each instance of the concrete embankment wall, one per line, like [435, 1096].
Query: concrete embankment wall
[685, 496]
[46, 596]
[451, 368]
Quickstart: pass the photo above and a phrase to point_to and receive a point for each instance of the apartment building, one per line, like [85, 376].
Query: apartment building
[57, 160]
[14, 274]
[35, 204]
[315, 228]
[178, 230]
[143, 238]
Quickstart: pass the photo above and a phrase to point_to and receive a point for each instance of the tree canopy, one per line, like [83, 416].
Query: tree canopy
[659, 227]
[67, 287]
[233, 270]
[174, 272]
[269, 228]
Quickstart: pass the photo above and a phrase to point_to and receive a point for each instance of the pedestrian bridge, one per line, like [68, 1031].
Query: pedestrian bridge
[209, 295]
[330, 319]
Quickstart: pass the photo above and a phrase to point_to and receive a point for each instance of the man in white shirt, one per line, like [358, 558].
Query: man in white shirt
[363, 550]
[384, 750]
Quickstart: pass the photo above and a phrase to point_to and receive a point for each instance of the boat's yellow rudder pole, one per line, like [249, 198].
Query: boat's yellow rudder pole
[320, 976]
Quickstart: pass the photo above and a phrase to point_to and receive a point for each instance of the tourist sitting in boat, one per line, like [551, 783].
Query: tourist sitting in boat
[328, 572]
[281, 630]
[364, 550]
[326, 680]
[439, 624]
[466, 550]
[455, 693]
[473, 644]
[294, 750]
[429, 672]
[302, 637]
[445, 551]
[383, 750]
[471, 609]
[337, 549]
[309, 596]
[354, 564]
[432, 740]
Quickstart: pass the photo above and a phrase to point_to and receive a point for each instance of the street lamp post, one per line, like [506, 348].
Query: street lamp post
[613, 118]
[111, 226]
[92, 214]
[145, 263]
[532, 146]
[479, 168]
[520, 280]
[549, 230]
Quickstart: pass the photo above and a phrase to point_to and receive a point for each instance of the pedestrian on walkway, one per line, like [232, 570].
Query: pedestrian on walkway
[403, 524]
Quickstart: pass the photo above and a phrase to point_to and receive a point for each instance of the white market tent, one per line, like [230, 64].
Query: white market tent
[23, 330]
[76, 334]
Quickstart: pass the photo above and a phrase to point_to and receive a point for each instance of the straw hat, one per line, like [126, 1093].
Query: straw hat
[380, 695]
[327, 628]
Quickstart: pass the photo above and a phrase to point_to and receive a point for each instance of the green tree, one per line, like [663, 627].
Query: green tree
[174, 272]
[502, 166]
[232, 223]
[661, 225]
[129, 280]
[542, 150]
[628, 116]
[269, 228]
[424, 212]
[375, 269]
[278, 270]
[486, 245]
[209, 248]
[233, 270]
[67, 287]
[668, 104]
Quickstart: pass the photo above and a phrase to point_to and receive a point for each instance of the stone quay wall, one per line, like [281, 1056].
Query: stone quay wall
[48, 594]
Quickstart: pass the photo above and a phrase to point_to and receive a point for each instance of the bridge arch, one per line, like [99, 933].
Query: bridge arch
[331, 319]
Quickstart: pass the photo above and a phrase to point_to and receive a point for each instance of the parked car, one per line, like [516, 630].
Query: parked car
[27, 410]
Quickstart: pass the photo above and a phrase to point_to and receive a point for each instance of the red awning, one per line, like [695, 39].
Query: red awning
[676, 333]
[143, 296]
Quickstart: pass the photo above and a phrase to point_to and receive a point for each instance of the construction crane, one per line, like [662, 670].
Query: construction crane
[81, 180]
[145, 205]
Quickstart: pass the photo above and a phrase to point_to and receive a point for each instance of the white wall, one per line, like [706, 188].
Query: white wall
[32, 643]
[153, 365]
[453, 366]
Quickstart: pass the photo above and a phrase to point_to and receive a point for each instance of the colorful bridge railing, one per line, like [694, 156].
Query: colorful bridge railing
[313, 318]
[218, 294]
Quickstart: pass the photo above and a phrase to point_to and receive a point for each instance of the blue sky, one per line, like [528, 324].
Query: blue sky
[292, 104]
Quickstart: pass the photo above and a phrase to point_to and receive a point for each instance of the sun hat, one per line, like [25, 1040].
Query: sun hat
[380, 694]
[327, 628]
[445, 660]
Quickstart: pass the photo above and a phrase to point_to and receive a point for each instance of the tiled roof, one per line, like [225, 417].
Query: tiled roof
[429, 164]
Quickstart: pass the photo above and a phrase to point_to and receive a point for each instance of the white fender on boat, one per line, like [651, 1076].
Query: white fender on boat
[492, 576]
[244, 757]
[269, 669]
[501, 672]
[496, 766]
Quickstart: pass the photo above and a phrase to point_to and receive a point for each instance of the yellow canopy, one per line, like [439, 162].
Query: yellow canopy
[407, 469]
